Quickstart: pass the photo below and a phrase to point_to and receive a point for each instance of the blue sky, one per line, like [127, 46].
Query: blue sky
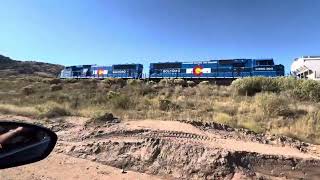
[127, 31]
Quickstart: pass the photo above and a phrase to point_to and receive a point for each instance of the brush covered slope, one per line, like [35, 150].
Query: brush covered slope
[10, 67]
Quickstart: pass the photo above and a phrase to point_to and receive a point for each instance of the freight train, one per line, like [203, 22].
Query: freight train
[205, 70]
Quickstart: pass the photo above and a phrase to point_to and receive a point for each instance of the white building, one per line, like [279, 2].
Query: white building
[306, 67]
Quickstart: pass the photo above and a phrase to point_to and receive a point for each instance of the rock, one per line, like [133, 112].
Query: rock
[70, 149]
[107, 117]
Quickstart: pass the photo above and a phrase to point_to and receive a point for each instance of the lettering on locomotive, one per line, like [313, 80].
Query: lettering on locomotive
[171, 71]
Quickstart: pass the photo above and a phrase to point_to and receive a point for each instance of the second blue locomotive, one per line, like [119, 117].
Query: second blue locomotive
[215, 69]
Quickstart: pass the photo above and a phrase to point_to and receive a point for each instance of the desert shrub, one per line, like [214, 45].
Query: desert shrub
[54, 81]
[134, 82]
[55, 87]
[252, 85]
[112, 94]
[247, 86]
[43, 74]
[189, 91]
[139, 90]
[163, 82]
[167, 92]
[300, 89]
[27, 90]
[62, 98]
[146, 90]
[114, 81]
[253, 124]
[179, 82]
[272, 104]
[308, 90]
[52, 109]
[166, 82]
[287, 83]
[166, 105]
[306, 128]
[228, 108]
[121, 102]
[204, 90]
[269, 85]
[94, 81]
[70, 80]
[224, 119]
[191, 83]
[51, 80]
[204, 83]
[151, 83]
[90, 83]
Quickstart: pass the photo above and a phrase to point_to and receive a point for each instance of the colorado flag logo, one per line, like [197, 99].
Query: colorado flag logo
[198, 70]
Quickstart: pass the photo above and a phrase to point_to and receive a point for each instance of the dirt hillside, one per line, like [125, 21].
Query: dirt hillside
[10, 67]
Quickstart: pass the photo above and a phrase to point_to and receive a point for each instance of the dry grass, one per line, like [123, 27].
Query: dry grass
[17, 110]
[276, 106]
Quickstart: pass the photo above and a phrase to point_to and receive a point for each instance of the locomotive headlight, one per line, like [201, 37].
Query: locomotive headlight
[100, 72]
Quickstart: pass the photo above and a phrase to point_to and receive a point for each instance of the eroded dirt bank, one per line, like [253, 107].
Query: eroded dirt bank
[163, 157]
[184, 150]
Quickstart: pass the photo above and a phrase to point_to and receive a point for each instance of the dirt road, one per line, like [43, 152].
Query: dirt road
[167, 149]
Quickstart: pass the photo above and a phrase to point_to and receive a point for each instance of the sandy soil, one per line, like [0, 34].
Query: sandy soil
[59, 166]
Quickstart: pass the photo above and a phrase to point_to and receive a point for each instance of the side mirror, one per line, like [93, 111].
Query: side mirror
[23, 143]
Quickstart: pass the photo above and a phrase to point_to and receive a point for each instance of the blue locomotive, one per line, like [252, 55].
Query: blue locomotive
[126, 71]
[215, 69]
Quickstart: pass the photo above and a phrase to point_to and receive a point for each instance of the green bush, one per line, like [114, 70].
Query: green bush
[287, 83]
[300, 89]
[247, 86]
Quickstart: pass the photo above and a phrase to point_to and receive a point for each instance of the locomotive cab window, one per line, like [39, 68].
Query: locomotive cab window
[167, 66]
[226, 62]
[127, 66]
[265, 63]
